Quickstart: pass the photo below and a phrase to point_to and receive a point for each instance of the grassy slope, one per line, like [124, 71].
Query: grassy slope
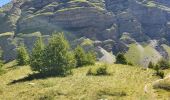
[141, 56]
[124, 80]
[167, 49]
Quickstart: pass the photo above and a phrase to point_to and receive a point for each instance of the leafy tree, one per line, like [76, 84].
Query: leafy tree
[57, 59]
[120, 59]
[22, 55]
[36, 60]
[80, 56]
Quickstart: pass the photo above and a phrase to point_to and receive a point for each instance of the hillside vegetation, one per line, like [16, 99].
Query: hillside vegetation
[123, 82]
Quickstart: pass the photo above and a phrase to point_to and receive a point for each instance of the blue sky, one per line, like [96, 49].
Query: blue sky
[2, 2]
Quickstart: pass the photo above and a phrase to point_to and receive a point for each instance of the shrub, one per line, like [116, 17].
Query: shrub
[151, 65]
[89, 72]
[161, 74]
[22, 55]
[82, 58]
[101, 70]
[158, 71]
[36, 61]
[120, 59]
[57, 59]
[164, 64]
[129, 63]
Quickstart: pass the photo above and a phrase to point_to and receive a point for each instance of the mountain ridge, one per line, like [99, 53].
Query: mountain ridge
[124, 22]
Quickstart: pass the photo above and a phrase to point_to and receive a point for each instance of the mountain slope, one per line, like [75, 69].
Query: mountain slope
[124, 22]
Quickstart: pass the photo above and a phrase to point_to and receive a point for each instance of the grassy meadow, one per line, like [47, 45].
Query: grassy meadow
[123, 83]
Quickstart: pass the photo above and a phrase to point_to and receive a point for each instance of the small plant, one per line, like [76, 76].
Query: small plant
[89, 72]
[130, 64]
[101, 70]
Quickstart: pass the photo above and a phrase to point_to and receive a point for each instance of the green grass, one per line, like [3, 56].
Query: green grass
[123, 83]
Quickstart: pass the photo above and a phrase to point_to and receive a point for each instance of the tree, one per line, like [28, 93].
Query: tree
[120, 59]
[22, 55]
[57, 59]
[83, 58]
[90, 58]
[36, 60]
[80, 56]
[1, 62]
[151, 65]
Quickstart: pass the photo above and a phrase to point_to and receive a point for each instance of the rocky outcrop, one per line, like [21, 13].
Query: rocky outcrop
[101, 19]
[8, 46]
[112, 25]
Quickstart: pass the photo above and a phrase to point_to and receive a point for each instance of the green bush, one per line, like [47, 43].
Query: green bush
[22, 55]
[120, 59]
[158, 71]
[36, 61]
[164, 64]
[151, 65]
[82, 58]
[101, 70]
[161, 74]
[89, 72]
[57, 59]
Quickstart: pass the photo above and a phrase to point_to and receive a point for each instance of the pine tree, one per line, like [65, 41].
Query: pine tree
[36, 58]
[57, 58]
[120, 59]
[80, 56]
[22, 55]
[151, 65]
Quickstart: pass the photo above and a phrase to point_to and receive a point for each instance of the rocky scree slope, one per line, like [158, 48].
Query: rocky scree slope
[124, 22]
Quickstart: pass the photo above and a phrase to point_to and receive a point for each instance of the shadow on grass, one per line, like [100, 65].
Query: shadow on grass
[34, 76]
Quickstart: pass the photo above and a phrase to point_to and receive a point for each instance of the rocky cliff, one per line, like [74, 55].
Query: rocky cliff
[123, 21]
